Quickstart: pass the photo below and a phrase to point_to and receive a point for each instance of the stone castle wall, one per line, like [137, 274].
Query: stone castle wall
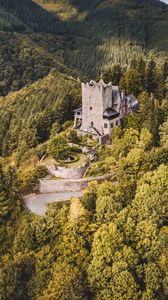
[65, 173]
[65, 185]
[74, 173]
[107, 96]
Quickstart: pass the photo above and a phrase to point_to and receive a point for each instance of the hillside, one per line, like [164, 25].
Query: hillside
[107, 32]
[28, 115]
[31, 44]
[79, 37]
[25, 14]
[112, 242]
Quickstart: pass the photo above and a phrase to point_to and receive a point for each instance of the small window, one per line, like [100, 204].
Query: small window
[92, 124]
[116, 123]
[111, 125]
[90, 108]
[105, 125]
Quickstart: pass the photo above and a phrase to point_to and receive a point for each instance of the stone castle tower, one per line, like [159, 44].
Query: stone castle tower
[103, 108]
[96, 98]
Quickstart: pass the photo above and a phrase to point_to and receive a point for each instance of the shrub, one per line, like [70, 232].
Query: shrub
[31, 179]
[58, 147]
[76, 149]
[72, 136]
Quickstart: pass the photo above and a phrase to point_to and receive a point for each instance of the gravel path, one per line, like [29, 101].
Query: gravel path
[37, 203]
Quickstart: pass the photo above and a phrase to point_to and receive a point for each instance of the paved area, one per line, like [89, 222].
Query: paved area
[37, 203]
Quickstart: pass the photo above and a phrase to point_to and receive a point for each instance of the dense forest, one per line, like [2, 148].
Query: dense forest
[112, 244]
[77, 37]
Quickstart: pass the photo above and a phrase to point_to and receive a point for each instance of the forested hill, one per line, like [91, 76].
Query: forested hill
[113, 242]
[111, 31]
[26, 15]
[30, 44]
[79, 37]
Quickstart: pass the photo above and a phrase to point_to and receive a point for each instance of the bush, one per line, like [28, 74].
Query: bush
[76, 149]
[31, 179]
[67, 124]
[41, 150]
[72, 136]
[40, 172]
[58, 147]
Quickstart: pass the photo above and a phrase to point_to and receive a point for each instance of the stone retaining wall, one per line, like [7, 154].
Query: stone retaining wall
[67, 173]
[65, 185]
[75, 173]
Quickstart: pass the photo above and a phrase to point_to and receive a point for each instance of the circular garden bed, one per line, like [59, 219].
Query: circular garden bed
[71, 158]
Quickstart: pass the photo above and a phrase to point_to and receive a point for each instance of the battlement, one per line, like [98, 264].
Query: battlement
[94, 84]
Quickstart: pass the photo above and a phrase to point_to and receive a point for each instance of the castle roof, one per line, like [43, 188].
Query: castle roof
[132, 102]
[111, 113]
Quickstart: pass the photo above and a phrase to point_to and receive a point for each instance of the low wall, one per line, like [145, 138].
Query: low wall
[75, 173]
[65, 185]
[67, 173]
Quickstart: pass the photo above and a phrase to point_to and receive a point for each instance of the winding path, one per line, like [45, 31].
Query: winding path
[57, 191]
[37, 203]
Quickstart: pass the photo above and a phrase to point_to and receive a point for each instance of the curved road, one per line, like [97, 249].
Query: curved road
[37, 203]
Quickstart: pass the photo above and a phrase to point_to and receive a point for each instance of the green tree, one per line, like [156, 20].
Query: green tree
[151, 196]
[108, 203]
[56, 128]
[130, 82]
[113, 74]
[151, 77]
[14, 277]
[66, 283]
[72, 136]
[58, 147]
[164, 134]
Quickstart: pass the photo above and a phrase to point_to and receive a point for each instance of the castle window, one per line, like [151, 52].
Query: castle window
[92, 124]
[116, 123]
[105, 125]
[90, 108]
[111, 125]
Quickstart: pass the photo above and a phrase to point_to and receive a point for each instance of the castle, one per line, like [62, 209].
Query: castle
[103, 108]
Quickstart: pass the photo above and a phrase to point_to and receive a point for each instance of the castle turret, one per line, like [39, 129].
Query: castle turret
[96, 98]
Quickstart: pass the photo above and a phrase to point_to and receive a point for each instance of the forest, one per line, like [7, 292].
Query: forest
[112, 244]
[77, 37]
